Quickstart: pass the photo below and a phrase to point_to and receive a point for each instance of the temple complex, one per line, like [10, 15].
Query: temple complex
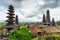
[46, 26]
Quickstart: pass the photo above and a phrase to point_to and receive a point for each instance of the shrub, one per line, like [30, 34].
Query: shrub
[21, 33]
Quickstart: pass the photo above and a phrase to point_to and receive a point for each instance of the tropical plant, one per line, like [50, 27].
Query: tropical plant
[21, 33]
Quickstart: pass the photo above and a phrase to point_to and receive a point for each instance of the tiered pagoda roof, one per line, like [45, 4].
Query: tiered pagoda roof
[10, 15]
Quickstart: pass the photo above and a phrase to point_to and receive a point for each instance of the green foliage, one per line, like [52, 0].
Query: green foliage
[54, 36]
[21, 33]
[35, 39]
[2, 23]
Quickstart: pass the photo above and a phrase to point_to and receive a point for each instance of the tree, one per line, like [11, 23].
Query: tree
[20, 34]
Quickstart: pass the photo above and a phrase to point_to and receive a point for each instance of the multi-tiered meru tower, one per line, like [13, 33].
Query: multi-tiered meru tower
[16, 20]
[11, 15]
[46, 19]
[43, 20]
[11, 23]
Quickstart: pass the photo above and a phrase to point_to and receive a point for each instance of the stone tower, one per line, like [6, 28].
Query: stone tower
[53, 22]
[10, 21]
[10, 15]
[48, 17]
[16, 19]
[43, 19]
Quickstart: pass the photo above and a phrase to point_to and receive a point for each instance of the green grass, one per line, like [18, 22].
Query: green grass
[2, 24]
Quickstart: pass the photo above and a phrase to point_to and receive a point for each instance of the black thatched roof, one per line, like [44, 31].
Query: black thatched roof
[10, 26]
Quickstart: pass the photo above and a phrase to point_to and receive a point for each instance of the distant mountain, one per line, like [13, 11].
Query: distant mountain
[58, 22]
[29, 22]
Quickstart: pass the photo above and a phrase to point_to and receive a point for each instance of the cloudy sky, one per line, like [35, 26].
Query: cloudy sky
[30, 10]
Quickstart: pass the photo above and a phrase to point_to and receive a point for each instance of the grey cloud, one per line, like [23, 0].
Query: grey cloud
[39, 17]
[17, 0]
[34, 14]
[16, 3]
[51, 4]
[30, 16]
[48, 4]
